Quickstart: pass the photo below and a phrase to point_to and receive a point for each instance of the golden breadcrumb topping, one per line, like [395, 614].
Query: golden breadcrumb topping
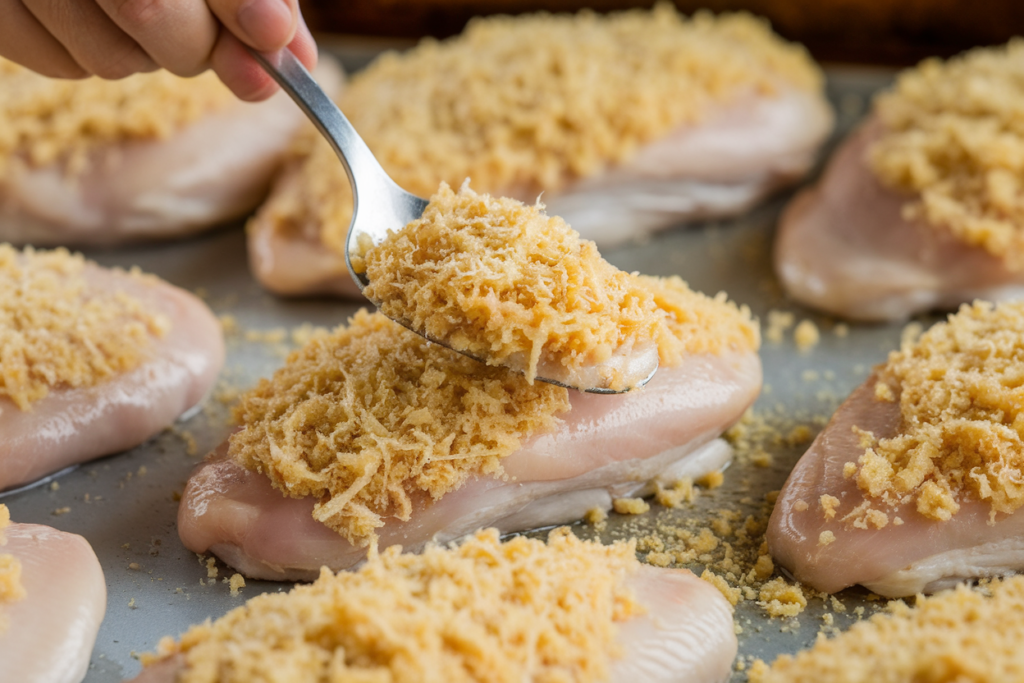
[781, 599]
[959, 635]
[11, 588]
[694, 323]
[508, 284]
[45, 120]
[372, 418]
[57, 331]
[527, 104]
[954, 137]
[483, 611]
[962, 415]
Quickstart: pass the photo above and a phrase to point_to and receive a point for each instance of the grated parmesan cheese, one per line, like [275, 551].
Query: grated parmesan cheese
[954, 138]
[959, 635]
[372, 417]
[504, 282]
[962, 416]
[56, 331]
[482, 611]
[45, 121]
[524, 105]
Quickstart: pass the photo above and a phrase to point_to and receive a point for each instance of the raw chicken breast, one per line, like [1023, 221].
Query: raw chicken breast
[213, 170]
[73, 425]
[606, 447]
[844, 247]
[51, 631]
[739, 155]
[686, 636]
[919, 556]
[723, 166]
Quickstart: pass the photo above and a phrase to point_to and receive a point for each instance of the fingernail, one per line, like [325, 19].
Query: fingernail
[266, 23]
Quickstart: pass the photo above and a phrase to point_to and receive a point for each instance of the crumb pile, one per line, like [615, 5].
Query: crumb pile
[959, 635]
[507, 283]
[954, 136]
[44, 120]
[373, 417]
[56, 331]
[694, 323]
[515, 611]
[10, 568]
[526, 104]
[960, 398]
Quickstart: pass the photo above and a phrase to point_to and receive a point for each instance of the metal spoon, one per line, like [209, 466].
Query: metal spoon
[389, 207]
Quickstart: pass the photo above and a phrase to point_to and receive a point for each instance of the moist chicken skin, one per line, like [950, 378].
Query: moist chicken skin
[51, 631]
[843, 247]
[920, 555]
[607, 446]
[74, 425]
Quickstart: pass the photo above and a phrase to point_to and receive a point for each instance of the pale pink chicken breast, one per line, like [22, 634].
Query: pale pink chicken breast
[723, 166]
[606, 447]
[920, 555]
[686, 636]
[74, 425]
[844, 247]
[214, 170]
[51, 631]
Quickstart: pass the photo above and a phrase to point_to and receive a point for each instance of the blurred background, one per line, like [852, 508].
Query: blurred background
[884, 32]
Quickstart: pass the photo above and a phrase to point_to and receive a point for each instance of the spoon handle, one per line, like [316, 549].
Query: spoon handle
[285, 68]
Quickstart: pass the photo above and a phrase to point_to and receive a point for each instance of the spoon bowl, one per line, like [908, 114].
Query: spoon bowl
[388, 207]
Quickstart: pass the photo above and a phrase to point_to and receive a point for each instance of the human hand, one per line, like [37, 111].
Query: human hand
[116, 38]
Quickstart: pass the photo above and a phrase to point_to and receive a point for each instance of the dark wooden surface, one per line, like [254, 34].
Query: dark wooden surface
[868, 31]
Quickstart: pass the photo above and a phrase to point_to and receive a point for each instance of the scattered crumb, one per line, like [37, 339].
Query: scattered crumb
[61, 511]
[659, 559]
[826, 538]
[680, 492]
[781, 599]
[711, 480]
[733, 595]
[829, 505]
[806, 335]
[799, 435]
[630, 506]
[132, 605]
[841, 330]
[597, 517]
[211, 568]
[800, 505]
[778, 323]
[237, 583]
[54, 486]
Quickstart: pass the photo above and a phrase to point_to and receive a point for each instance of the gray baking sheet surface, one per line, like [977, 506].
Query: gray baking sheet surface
[126, 506]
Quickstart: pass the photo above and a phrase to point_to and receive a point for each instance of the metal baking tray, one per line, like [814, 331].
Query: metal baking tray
[126, 504]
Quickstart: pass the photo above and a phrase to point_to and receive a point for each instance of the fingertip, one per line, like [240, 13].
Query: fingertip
[239, 71]
[267, 24]
[303, 46]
